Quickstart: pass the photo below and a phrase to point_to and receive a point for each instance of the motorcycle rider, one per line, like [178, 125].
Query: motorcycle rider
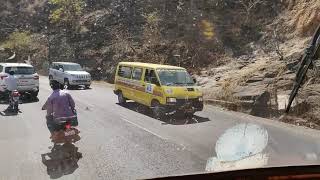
[11, 85]
[60, 106]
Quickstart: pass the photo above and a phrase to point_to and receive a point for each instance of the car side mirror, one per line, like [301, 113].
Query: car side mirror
[60, 69]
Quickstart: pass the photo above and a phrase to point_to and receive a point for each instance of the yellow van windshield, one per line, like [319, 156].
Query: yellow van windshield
[172, 77]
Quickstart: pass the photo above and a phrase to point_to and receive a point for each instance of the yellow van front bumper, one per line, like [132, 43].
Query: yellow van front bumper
[185, 105]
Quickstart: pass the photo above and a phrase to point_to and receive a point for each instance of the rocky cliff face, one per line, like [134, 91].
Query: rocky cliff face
[260, 83]
[192, 33]
[302, 17]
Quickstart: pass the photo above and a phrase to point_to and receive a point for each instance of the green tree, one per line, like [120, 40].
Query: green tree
[26, 46]
[66, 11]
[20, 43]
[66, 14]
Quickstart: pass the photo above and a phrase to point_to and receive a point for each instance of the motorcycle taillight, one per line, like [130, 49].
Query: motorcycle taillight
[68, 125]
[3, 76]
[15, 94]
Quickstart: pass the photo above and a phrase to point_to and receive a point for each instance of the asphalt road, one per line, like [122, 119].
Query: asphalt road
[125, 143]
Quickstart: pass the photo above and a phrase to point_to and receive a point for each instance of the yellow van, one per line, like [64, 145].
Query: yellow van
[166, 89]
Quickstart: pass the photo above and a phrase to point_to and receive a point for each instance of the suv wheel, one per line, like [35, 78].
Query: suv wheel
[2, 95]
[189, 114]
[66, 84]
[34, 94]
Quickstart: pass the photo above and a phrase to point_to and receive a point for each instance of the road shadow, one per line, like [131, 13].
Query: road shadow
[25, 99]
[9, 113]
[75, 88]
[22, 100]
[62, 160]
[173, 119]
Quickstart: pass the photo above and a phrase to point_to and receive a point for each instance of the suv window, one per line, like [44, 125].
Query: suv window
[71, 67]
[1, 68]
[54, 66]
[20, 70]
[137, 73]
[125, 72]
[59, 66]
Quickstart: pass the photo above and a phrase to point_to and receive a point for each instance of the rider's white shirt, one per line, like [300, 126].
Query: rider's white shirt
[11, 83]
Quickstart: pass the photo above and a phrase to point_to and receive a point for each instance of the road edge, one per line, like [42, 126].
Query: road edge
[299, 130]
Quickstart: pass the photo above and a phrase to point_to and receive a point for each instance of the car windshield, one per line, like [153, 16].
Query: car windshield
[20, 70]
[72, 67]
[174, 77]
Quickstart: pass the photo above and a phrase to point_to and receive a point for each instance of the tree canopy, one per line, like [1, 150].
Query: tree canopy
[66, 11]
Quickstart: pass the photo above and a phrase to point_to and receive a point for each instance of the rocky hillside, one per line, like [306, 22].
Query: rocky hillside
[260, 83]
[100, 33]
[243, 52]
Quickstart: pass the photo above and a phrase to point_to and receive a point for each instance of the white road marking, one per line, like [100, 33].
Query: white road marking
[143, 128]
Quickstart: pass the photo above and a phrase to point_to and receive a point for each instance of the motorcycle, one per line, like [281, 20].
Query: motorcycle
[68, 133]
[64, 155]
[14, 101]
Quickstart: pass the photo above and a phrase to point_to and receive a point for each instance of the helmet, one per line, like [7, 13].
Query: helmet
[11, 73]
[54, 84]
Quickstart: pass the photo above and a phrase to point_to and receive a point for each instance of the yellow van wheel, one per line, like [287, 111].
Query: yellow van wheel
[158, 110]
[121, 99]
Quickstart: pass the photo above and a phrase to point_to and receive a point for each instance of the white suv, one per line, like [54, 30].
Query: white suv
[27, 78]
[69, 74]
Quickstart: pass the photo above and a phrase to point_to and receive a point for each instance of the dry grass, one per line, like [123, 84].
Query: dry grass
[239, 77]
[226, 91]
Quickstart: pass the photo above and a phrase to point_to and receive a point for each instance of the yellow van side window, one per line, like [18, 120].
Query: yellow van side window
[125, 72]
[148, 75]
[137, 73]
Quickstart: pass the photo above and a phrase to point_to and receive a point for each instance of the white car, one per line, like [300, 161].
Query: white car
[27, 78]
[69, 74]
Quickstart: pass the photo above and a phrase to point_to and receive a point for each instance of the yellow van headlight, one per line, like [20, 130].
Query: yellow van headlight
[171, 100]
[169, 91]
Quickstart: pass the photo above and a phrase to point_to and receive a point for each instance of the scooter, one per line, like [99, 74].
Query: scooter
[67, 134]
[64, 155]
[14, 101]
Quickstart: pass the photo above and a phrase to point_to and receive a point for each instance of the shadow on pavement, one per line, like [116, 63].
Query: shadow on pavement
[9, 113]
[23, 100]
[79, 88]
[62, 160]
[174, 119]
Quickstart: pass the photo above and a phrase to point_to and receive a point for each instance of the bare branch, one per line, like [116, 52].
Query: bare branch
[249, 5]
